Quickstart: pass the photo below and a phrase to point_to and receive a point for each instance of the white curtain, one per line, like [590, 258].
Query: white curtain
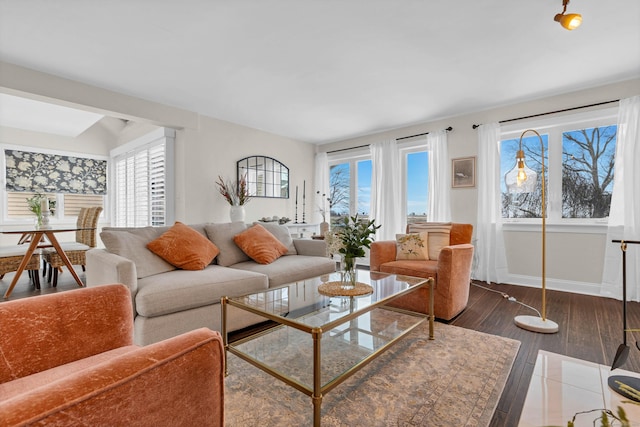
[322, 184]
[439, 204]
[385, 189]
[489, 245]
[624, 217]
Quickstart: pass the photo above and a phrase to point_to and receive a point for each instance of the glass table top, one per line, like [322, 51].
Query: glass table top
[352, 329]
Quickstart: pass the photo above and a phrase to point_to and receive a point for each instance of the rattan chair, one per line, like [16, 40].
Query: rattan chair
[85, 240]
[11, 257]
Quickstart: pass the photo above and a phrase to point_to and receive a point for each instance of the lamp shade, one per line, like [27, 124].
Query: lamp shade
[520, 179]
[570, 21]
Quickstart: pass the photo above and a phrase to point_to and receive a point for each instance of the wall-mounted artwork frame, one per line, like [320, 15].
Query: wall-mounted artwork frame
[463, 172]
[266, 177]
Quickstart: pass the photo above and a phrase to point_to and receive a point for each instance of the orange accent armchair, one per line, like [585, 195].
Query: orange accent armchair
[452, 271]
[68, 359]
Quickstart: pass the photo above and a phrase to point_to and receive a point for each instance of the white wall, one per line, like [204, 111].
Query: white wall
[205, 147]
[574, 260]
[213, 149]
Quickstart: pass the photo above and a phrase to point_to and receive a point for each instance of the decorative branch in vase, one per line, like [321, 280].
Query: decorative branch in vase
[237, 195]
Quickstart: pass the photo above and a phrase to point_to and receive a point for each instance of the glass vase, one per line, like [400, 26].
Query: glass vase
[348, 274]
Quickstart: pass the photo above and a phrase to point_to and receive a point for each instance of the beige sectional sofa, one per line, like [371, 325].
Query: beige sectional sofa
[168, 301]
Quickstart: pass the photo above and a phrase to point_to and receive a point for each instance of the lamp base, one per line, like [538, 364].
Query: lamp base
[536, 324]
[626, 386]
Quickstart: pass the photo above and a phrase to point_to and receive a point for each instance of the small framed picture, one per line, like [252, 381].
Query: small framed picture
[463, 172]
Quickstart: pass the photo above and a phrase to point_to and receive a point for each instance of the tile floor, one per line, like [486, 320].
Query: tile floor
[561, 386]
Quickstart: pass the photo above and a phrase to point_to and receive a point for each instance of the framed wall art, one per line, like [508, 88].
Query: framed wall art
[463, 172]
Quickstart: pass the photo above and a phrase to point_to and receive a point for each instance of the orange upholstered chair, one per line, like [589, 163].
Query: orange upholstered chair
[68, 359]
[452, 271]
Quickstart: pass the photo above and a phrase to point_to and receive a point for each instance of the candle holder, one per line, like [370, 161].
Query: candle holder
[45, 219]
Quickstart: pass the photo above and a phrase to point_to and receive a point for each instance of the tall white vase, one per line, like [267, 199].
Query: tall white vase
[236, 213]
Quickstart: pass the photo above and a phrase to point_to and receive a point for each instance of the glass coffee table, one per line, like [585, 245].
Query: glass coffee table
[317, 341]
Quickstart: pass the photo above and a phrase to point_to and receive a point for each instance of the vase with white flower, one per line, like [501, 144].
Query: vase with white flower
[350, 239]
[42, 207]
[236, 194]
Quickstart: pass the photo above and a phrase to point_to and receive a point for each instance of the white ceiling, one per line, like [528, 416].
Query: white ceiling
[23, 113]
[324, 70]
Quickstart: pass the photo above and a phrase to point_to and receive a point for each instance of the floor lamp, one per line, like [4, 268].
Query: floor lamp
[521, 179]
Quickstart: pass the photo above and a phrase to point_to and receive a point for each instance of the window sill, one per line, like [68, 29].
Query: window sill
[582, 228]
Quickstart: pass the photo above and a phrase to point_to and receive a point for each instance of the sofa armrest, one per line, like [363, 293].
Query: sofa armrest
[310, 247]
[178, 381]
[454, 267]
[105, 267]
[381, 252]
[46, 331]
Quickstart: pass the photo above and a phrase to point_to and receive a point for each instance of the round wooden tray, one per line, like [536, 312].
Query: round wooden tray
[335, 289]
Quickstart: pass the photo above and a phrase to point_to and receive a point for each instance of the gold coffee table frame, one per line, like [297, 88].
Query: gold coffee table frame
[316, 332]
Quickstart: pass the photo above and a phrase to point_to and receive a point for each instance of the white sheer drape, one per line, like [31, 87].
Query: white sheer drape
[624, 217]
[439, 203]
[385, 189]
[489, 245]
[322, 183]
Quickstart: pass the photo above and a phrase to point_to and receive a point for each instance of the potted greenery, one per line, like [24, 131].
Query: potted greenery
[36, 204]
[349, 240]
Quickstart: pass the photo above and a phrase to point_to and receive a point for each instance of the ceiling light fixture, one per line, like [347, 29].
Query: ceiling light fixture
[570, 21]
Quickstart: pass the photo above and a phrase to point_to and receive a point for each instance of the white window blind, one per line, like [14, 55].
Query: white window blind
[141, 184]
[140, 177]
[17, 207]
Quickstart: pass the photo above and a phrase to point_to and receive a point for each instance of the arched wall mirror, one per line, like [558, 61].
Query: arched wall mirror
[266, 177]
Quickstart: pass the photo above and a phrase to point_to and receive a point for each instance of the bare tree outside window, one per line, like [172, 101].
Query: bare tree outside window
[588, 157]
[339, 191]
[587, 172]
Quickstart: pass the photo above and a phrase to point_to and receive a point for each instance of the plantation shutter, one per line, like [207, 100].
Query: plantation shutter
[140, 186]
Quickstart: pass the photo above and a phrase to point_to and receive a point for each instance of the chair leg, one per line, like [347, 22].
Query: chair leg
[49, 273]
[55, 278]
[36, 278]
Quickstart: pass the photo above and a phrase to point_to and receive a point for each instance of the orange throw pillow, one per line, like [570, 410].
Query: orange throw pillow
[260, 245]
[184, 247]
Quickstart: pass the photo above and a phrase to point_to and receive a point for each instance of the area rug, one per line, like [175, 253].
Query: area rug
[455, 380]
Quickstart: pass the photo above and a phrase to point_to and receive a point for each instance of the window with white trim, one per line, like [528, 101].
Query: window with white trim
[50, 180]
[143, 181]
[350, 182]
[579, 154]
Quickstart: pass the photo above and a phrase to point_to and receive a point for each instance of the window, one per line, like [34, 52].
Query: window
[143, 181]
[579, 153]
[66, 178]
[416, 183]
[350, 182]
[350, 189]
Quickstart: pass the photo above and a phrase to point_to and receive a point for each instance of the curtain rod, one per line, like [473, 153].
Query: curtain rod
[449, 129]
[553, 112]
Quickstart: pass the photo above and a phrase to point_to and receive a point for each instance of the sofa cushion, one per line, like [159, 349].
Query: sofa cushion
[281, 232]
[439, 235]
[180, 290]
[425, 269]
[133, 245]
[222, 236]
[289, 269]
[412, 246]
[260, 245]
[184, 247]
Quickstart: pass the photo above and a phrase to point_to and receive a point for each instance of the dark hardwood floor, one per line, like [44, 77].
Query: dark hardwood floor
[590, 329]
